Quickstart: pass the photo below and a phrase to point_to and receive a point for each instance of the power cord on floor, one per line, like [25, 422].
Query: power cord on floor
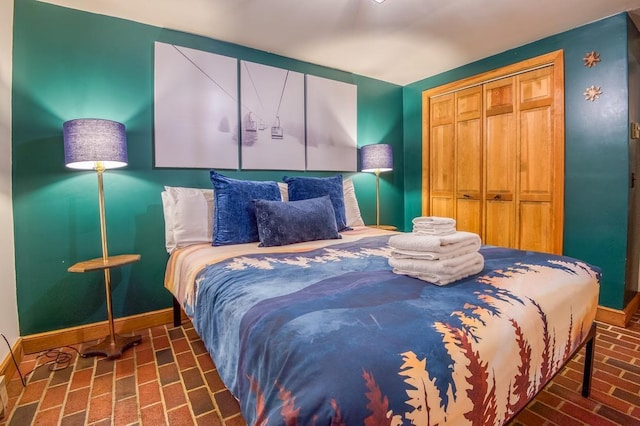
[59, 360]
[14, 361]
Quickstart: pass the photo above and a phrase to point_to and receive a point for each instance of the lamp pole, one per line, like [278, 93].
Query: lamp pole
[105, 253]
[377, 172]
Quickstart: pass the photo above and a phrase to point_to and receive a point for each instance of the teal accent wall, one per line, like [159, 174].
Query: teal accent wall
[70, 64]
[596, 144]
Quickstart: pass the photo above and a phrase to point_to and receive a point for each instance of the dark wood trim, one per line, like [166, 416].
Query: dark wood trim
[89, 332]
[617, 317]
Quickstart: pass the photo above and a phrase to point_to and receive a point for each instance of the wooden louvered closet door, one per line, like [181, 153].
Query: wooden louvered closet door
[493, 154]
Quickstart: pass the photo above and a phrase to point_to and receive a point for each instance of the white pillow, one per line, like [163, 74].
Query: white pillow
[188, 216]
[167, 208]
[351, 207]
[284, 191]
[352, 210]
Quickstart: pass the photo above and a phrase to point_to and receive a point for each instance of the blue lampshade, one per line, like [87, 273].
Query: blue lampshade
[376, 157]
[90, 141]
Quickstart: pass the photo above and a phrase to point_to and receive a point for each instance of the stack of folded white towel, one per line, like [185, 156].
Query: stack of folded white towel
[435, 251]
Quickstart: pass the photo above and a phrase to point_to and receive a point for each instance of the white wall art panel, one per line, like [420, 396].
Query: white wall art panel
[332, 131]
[196, 108]
[272, 117]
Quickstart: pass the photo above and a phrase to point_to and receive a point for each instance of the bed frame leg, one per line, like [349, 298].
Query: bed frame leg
[588, 362]
[177, 314]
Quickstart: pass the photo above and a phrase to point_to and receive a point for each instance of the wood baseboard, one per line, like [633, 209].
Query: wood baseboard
[617, 317]
[83, 333]
[89, 332]
[7, 366]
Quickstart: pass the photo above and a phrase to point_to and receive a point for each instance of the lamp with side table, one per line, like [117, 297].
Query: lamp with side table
[96, 144]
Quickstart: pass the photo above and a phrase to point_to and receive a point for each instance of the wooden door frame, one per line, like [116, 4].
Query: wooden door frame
[555, 58]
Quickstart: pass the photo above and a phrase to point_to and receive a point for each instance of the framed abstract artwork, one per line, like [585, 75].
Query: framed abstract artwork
[195, 109]
[332, 131]
[272, 118]
[214, 111]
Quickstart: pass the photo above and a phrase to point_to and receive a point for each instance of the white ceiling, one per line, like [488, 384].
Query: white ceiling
[398, 41]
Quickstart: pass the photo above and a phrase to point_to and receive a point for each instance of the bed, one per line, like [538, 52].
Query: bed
[323, 332]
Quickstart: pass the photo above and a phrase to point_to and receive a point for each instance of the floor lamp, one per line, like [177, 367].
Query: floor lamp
[95, 144]
[376, 158]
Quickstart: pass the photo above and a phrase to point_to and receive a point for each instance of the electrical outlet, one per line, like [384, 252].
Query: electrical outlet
[4, 398]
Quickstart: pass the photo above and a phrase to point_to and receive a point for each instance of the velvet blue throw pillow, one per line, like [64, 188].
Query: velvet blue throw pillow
[303, 188]
[281, 223]
[234, 218]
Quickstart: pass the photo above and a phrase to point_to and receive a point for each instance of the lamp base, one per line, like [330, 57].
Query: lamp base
[111, 348]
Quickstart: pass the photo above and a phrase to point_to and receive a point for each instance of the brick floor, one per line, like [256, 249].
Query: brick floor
[170, 379]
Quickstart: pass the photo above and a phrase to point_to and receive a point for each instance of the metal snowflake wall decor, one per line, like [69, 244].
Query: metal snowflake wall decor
[592, 93]
[591, 59]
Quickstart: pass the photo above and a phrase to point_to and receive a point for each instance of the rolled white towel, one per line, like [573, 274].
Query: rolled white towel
[433, 220]
[443, 244]
[418, 269]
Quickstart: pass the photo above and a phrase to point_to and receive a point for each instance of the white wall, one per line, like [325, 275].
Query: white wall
[8, 303]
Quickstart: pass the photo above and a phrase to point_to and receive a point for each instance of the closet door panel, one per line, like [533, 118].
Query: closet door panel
[469, 160]
[500, 96]
[442, 156]
[469, 215]
[500, 152]
[536, 165]
[536, 155]
[442, 164]
[441, 206]
[469, 143]
[500, 138]
[469, 104]
[535, 227]
[441, 110]
[536, 88]
[537, 162]
[500, 224]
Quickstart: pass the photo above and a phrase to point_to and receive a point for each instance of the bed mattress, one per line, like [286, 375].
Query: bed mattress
[325, 333]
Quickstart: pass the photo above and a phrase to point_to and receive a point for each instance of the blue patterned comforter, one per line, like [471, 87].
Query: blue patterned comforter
[332, 336]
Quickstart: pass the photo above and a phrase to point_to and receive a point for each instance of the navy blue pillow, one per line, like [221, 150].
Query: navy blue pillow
[303, 188]
[281, 223]
[234, 219]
